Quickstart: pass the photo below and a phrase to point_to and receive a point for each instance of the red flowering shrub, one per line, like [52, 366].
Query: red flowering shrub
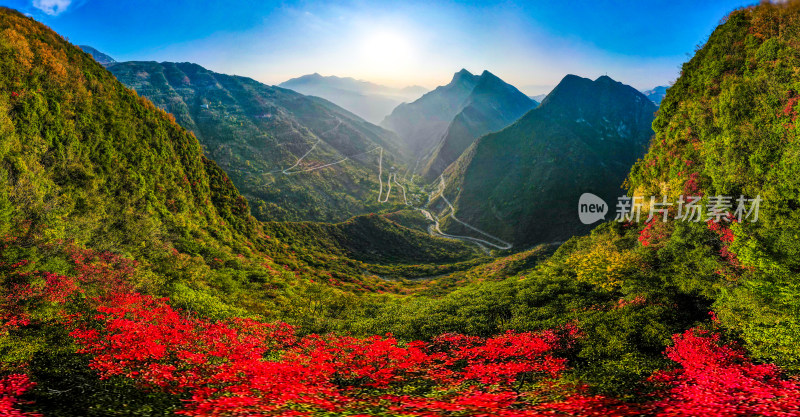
[242, 367]
[726, 237]
[692, 185]
[108, 272]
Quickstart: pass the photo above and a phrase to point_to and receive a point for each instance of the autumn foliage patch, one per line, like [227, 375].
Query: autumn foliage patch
[245, 367]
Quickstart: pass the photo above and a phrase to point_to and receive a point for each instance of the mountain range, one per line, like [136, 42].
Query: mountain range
[134, 281]
[441, 124]
[294, 157]
[491, 105]
[656, 94]
[98, 56]
[368, 100]
[522, 184]
[421, 124]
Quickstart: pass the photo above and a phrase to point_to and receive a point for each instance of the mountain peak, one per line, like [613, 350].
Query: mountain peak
[491, 105]
[486, 75]
[580, 94]
[462, 75]
[605, 79]
[572, 78]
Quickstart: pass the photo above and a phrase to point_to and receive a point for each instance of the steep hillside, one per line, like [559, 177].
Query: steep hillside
[83, 152]
[729, 127]
[421, 124]
[293, 157]
[522, 184]
[370, 101]
[491, 106]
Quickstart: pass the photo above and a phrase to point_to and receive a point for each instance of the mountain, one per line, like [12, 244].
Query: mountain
[491, 106]
[98, 177]
[421, 124]
[522, 184]
[134, 282]
[538, 98]
[729, 127]
[294, 157]
[656, 94]
[98, 56]
[368, 100]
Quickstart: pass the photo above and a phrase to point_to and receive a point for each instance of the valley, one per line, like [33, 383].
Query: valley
[176, 240]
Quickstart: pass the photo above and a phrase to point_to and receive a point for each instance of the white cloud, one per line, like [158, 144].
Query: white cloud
[52, 7]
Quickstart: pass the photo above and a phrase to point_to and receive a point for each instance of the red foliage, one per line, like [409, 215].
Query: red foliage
[11, 388]
[717, 380]
[222, 366]
[653, 232]
[23, 291]
[109, 272]
[635, 301]
[727, 237]
[242, 367]
[789, 110]
[692, 186]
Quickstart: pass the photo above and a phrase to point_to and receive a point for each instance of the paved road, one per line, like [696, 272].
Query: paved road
[433, 229]
[440, 193]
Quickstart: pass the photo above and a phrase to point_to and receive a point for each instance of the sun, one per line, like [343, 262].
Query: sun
[385, 51]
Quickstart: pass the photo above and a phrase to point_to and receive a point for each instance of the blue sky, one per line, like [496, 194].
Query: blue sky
[530, 44]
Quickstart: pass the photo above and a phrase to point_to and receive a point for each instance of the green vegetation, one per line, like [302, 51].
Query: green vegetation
[521, 184]
[491, 106]
[729, 127]
[103, 190]
[256, 133]
[88, 162]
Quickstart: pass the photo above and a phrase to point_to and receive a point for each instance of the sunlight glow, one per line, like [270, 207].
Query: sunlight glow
[385, 52]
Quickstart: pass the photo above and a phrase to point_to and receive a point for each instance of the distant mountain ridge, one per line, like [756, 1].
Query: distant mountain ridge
[368, 100]
[294, 157]
[98, 56]
[656, 94]
[522, 184]
[492, 105]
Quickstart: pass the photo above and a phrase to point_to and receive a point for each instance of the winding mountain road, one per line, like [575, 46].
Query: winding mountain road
[440, 193]
[434, 229]
[402, 188]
